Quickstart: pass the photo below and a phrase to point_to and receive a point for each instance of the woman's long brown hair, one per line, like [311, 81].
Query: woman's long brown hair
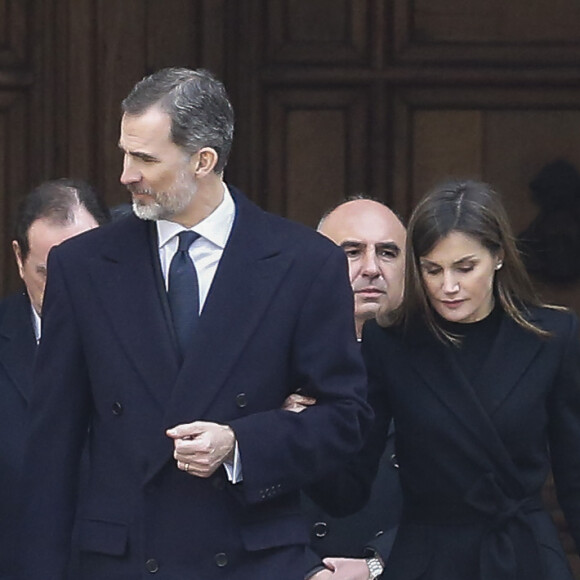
[474, 209]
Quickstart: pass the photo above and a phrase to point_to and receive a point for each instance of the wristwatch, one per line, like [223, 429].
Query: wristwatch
[375, 567]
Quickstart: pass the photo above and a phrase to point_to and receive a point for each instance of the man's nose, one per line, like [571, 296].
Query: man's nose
[129, 174]
[370, 266]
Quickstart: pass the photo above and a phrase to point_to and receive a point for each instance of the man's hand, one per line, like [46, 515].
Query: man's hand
[345, 569]
[297, 403]
[201, 447]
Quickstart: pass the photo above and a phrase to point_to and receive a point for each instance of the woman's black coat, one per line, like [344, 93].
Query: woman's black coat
[474, 457]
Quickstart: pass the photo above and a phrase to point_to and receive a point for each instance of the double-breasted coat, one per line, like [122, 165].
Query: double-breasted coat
[277, 317]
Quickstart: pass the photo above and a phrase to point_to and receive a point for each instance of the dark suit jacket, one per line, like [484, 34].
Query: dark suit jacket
[17, 350]
[277, 317]
[17, 354]
[473, 457]
[349, 536]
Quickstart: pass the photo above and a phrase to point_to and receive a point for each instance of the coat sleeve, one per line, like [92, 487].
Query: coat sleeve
[59, 411]
[282, 451]
[564, 429]
[347, 490]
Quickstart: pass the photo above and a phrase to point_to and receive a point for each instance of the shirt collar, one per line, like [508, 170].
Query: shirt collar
[36, 324]
[216, 227]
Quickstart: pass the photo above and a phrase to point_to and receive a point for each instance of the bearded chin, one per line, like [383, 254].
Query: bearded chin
[150, 212]
[166, 204]
[165, 207]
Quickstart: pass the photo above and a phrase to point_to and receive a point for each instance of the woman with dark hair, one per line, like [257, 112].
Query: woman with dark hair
[483, 383]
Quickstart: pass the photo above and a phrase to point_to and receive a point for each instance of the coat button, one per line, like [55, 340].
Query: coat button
[152, 566]
[117, 408]
[221, 559]
[320, 529]
[394, 462]
[241, 400]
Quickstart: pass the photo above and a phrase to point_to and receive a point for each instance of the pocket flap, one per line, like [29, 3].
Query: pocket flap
[275, 533]
[103, 537]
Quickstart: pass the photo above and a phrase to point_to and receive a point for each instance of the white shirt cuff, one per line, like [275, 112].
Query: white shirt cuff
[234, 469]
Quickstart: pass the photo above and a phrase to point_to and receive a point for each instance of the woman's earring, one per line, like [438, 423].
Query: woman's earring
[498, 265]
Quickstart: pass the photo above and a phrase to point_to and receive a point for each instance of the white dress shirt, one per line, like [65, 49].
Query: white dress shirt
[206, 253]
[207, 250]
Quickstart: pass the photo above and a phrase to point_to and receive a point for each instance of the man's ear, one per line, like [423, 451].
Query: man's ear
[204, 161]
[18, 255]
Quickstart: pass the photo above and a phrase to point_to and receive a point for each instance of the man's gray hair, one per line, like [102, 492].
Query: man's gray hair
[197, 104]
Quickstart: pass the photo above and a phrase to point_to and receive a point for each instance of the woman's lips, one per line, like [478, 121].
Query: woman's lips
[452, 303]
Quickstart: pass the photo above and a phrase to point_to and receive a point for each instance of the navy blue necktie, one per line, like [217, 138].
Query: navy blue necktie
[183, 291]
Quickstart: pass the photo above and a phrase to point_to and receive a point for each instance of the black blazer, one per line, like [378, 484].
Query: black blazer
[17, 350]
[108, 361]
[472, 466]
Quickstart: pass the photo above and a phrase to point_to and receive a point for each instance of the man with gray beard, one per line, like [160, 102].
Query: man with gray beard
[173, 337]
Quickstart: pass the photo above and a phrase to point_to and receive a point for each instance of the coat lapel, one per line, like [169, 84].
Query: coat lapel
[127, 280]
[18, 344]
[506, 364]
[246, 280]
[441, 374]
[498, 378]
[251, 269]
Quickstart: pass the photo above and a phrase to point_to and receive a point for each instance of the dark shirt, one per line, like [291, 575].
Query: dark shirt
[476, 341]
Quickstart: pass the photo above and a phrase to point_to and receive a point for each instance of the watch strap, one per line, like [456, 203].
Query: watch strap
[375, 567]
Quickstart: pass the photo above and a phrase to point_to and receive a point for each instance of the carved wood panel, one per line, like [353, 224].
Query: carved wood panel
[496, 32]
[325, 31]
[316, 150]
